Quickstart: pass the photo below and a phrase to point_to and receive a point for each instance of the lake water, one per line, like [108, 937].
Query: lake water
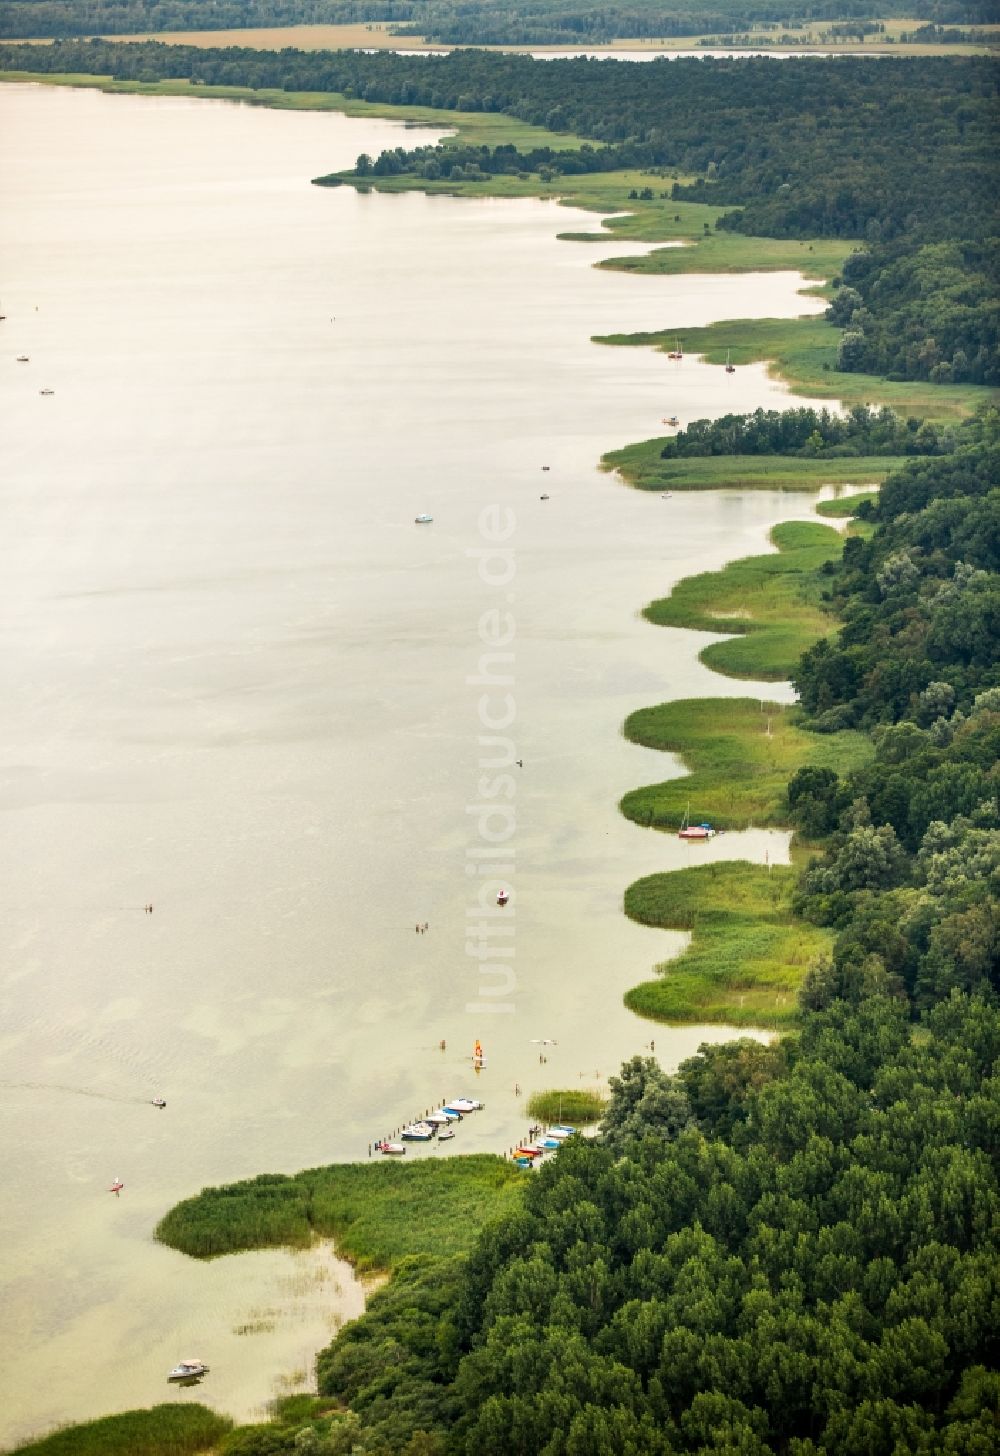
[241, 685]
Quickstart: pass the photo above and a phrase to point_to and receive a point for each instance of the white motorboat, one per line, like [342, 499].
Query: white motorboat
[423, 520]
[465, 1104]
[443, 1137]
[418, 1132]
[188, 1370]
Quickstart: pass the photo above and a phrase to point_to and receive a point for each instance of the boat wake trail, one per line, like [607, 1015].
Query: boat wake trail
[76, 1091]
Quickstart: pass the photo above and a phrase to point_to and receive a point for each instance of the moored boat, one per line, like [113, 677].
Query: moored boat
[422, 520]
[188, 1370]
[394, 1149]
[418, 1132]
[696, 831]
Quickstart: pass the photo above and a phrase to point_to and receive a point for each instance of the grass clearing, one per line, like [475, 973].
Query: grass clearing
[378, 1213]
[575, 1105]
[164, 1430]
[748, 952]
[741, 753]
[845, 506]
[773, 601]
[374, 35]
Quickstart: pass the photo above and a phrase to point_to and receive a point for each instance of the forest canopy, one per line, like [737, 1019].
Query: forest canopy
[488, 22]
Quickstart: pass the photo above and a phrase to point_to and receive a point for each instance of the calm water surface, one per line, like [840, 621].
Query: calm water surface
[237, 685]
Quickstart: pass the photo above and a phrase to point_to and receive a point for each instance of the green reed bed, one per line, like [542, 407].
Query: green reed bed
[574, 1105]
[748, 952]
[642, 466]
[741, 753]
[845, 506]
[164, 1430]
[377, 1212]
[772, 601]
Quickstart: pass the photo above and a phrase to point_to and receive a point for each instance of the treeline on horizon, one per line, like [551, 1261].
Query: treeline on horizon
[789, 1249]
[822, 147]
[456, 22]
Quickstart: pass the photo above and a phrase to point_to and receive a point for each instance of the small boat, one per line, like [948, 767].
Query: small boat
[465, 1104]
[666, 495]
[676, 352]
[531, 1153]
[671, 420]
[545, 467]
[448, 1113]
[730, 368]
[543, 497]
[116, 1187]
[502, 897]
[694, 831]
[423, 520]
[22, 358]
[549, 1144]
[188, 1370]
[560, 1133]
[524, 1162]
[418, 1132]
[46, 391]
[159, 1102]
[444, 1136]
[393, 1148]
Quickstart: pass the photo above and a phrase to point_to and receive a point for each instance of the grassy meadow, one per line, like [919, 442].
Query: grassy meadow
[748, 952]
[773, 601]
[642, 466]
[575, 1105]
[377, 1212]
[378, 36]
[845, 506]
[740, 753]
[164, 1430]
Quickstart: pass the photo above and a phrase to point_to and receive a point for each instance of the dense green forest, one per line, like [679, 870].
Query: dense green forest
[818, 148]
[458, 22]
[791, 1249]
[813, 434]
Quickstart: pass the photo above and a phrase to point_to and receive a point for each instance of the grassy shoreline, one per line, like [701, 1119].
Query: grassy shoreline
[748, 951]
[772, 602]
[740, 752]
[643, 467]
[377, 1213]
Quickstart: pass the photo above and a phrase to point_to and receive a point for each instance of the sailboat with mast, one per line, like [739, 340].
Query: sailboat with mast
[676, 352]
[694, 831]
[730, 367]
